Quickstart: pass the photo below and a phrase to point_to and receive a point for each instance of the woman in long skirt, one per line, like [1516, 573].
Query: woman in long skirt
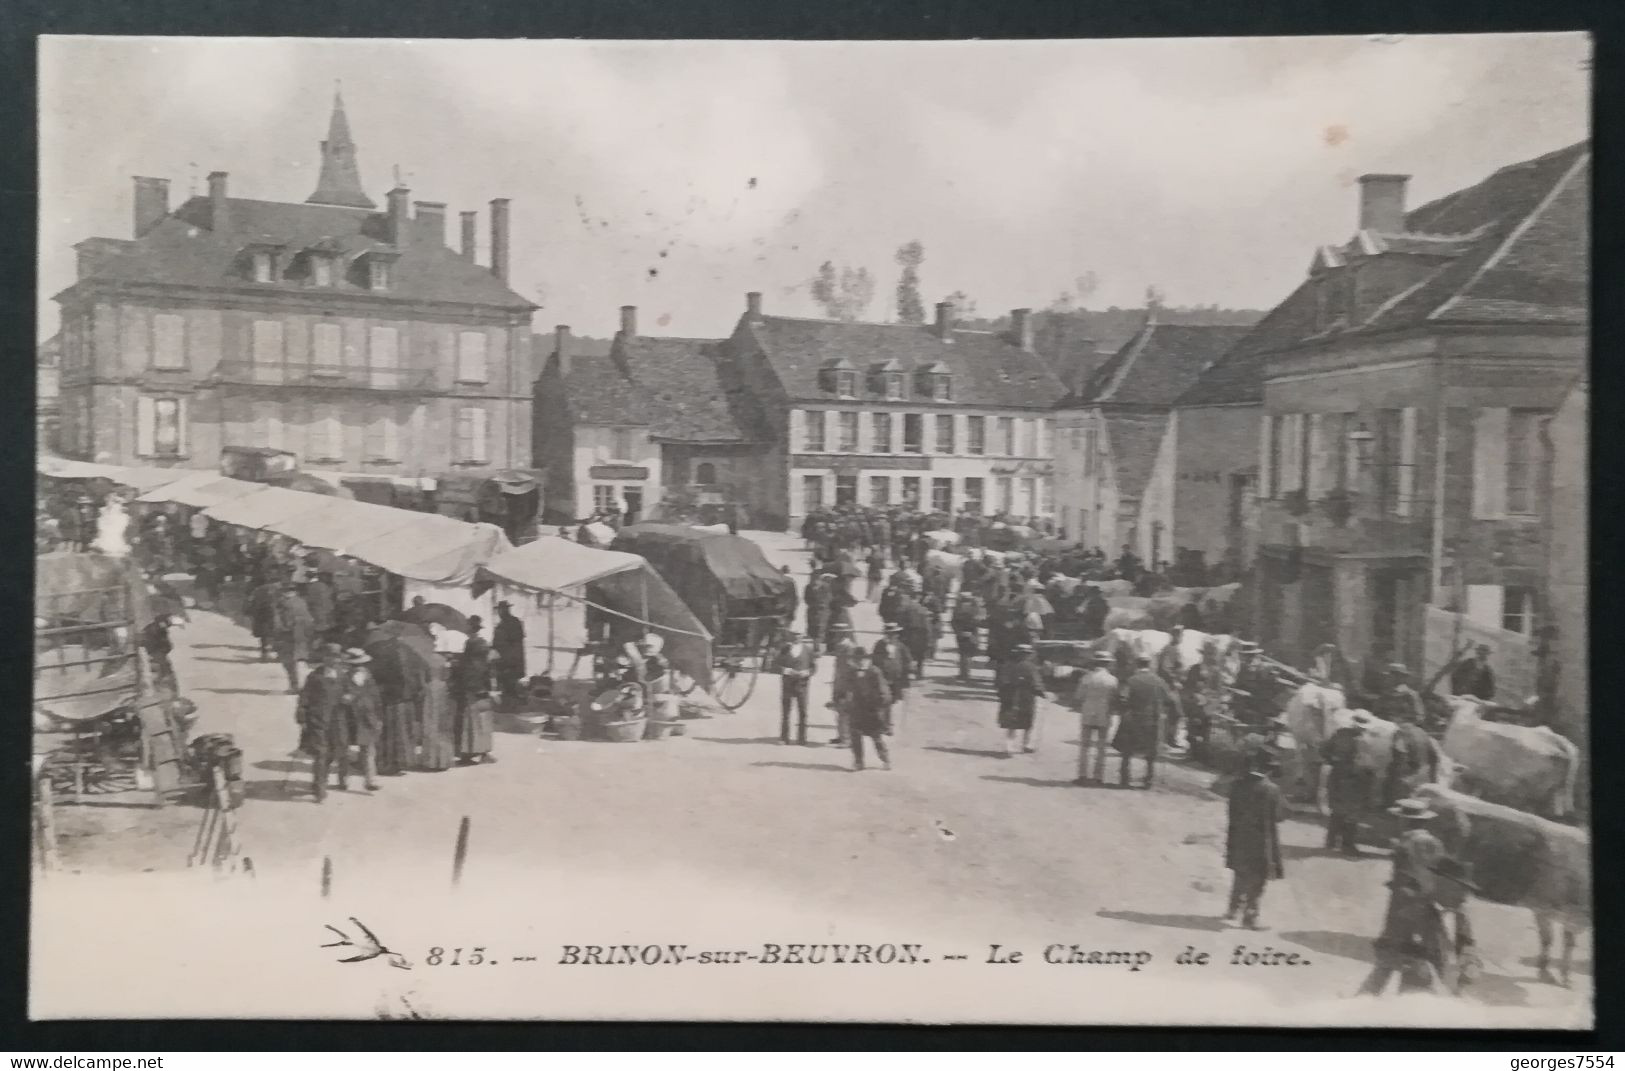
[437, 752]
[473, 729]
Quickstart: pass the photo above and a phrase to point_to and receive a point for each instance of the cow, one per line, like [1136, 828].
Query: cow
[1312, 716]
[1527, 767]
[1521, 860]
[1128, 613]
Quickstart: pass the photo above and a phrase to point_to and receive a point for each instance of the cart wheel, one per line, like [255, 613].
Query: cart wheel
[682, 683]
[736, 679]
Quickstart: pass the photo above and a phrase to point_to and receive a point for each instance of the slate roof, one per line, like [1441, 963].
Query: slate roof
[597, 392]
[1158, 364]
[1526, 262]
[184, 249]
[987, 368]
[688, 399]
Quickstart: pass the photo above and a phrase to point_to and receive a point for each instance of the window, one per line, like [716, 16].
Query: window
[1046, 497]
[267, 344]
[942, 387]
[1334, 431]
[911, 491]
[846, 441]
[1007, 436]
[620, 445]
[1316, 436]
[945, 434]
[1025, 436]
[606, 497]
[384, 356]
[812, 493]
[1395, 481]
[326, 341]
[846, 384]
[942, 494]
[975, 437]
[1523, 452]
[973, 494]
[1490, 428]
[1405, 463]
[383, 435]
[1007, 494]
[263, 270]
[1029, 497]
[846, 489]
[880, 490]
[882, 443]
[471, 357]
[160, 426]
[379, 273]
[1091, 451]
[1518, 610]
[471, 435]
[706, 473]
[326, 435]
[168, 340]
[1269, 462]
[321, 271]
[1289, 449]
[913, 433]
[814, 434]
[893, 382]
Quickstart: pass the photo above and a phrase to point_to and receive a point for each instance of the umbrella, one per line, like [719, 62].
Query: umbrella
[437, 613]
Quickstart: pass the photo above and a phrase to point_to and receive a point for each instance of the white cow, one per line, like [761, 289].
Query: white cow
[1312, 715]
[1527, 767]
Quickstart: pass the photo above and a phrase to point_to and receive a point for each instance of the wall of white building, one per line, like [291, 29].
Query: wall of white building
[1086, 497]
[600, 446]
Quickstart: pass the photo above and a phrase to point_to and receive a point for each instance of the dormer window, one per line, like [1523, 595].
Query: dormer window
[379, 274]
[264, 266]
[894, 386]
[840, 378]
[886, 380]
[321, 271]
[937, 382]
[264, 260]
[846, 384]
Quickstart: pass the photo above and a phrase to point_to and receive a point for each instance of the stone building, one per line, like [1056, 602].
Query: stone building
[1407, 381]
[1567, 531]
[884, 414]
[1116, 439]
[356, 338]
[48, 393]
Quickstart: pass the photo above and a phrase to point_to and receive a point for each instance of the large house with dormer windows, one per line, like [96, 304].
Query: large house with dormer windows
[356, 338]
[1407, 387]
[926, 415]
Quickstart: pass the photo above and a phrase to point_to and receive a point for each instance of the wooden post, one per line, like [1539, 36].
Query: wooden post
[552, 600]
[327, 876]
[460, 856]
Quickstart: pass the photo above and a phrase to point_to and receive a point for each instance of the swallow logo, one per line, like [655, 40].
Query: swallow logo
[367, 946]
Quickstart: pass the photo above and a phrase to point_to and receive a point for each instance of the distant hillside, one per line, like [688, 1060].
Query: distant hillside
[580, 346]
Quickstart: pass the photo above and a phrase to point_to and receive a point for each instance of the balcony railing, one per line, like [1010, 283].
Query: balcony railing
[324, 376]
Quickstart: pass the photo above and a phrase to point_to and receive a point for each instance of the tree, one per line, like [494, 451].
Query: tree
[910, 307]
[964, 305]
[843, 293]
[1154, 297]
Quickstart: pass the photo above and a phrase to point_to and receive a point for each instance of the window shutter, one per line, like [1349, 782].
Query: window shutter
[182, 427]
[1490, 462]
[798, 429]
[465, 446]
[1266, 424]
[146, 429]
[1406, 483]
[1291, 478]
[1317, 455]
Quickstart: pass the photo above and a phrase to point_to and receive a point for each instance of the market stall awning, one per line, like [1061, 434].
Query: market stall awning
[554, 564]
[200, 490]
[138, 477]
[265, 507]
[145, 479]
[340, 522]
[434, 549]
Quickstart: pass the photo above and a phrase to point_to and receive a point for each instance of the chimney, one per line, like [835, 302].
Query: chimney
[468, 235]
[398, 199]
[753, 305]
[431, 219]
[1382, 203]
[629, 321]
[945, 320]
[219, 210]
[561, 347]
[1021, 327]
[151, 203]
[499, 238]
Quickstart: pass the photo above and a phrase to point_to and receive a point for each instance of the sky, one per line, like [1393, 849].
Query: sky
[677, 176]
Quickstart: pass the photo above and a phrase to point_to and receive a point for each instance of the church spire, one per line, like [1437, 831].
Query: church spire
[340, 182]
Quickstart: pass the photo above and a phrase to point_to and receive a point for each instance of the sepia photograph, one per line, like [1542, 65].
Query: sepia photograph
[1067, 532]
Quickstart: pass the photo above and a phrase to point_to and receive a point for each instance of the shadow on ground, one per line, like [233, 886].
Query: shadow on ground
[1035, 782]
[1179, 922]
[825, 766]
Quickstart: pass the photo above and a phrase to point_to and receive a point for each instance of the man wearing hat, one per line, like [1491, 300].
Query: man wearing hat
[968, 618]
[1146, 701]
[362, 710]
[508, 648]
[295, 631]
[1348, 785]
[868, 699]
[796, 662]
[1415, 760]
[156, 641]
[1095, 699]
[1170, 666]
[843, 643]
[894, 661]
[1252, 843]
[320, 715]
[817, 598]
[1425, 934]
[1019, 684]
[1473, 676]
[1254, 686]
[915, 619]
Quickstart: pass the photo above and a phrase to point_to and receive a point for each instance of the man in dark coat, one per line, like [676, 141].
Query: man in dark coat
[1252, 845]
[1473, 676]
[156, 641]
[295, 632]
[797, 659]
[1093, 613]
[1019, 684]
[508, 644]
[323, 732]
[817, 598]
[914, 620]
[868, 700]
[1147, 699]
[363, 715]
[262, 615]
[967, 621]
[1348, 787]
[318, 596]
[892, 658]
